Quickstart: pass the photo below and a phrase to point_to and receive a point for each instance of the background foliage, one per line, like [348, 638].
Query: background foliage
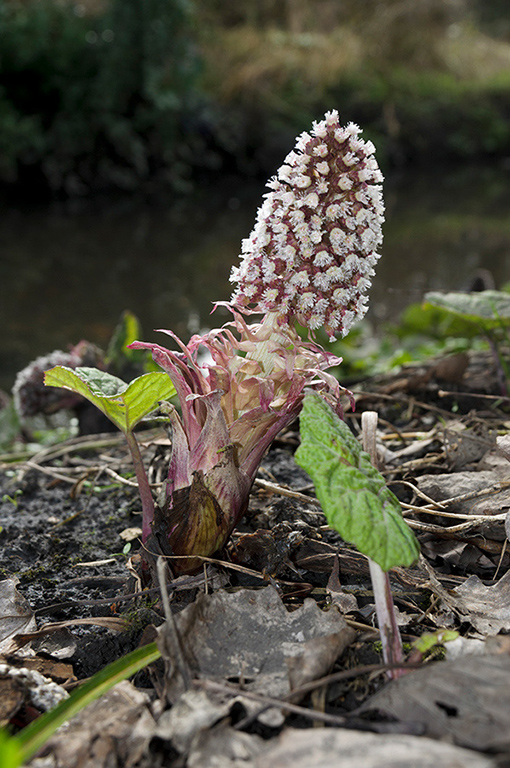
[98, 94]
[94, 98]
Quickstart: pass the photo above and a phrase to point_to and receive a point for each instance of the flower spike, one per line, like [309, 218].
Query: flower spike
[312, 251]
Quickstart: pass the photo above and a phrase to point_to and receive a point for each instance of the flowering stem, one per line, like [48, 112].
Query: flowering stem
[143, 485]
[263, 351]
[384, 607]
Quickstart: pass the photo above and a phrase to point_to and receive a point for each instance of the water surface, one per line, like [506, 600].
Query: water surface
[67, 272]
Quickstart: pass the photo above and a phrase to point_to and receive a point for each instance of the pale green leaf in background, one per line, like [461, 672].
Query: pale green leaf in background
[488, 308]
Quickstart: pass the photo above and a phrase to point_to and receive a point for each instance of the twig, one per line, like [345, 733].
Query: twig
[175, 651]
[285, 702]
[282, 491]
[269, 702]
[51, 472]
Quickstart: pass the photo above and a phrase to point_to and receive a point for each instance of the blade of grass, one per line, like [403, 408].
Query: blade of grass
[34, 736]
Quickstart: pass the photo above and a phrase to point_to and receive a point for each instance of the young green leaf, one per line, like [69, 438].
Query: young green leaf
[488, 308]
[127, 331]
[353, 493]
[119, 356]
[124, 404]
[429, 640]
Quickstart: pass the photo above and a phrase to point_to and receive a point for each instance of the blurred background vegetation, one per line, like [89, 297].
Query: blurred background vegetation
[113, 94]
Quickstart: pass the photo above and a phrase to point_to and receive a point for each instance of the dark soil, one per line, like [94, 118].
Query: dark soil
[54, 528]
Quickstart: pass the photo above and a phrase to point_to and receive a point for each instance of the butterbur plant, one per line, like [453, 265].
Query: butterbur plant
[231, 410]
[308, 262]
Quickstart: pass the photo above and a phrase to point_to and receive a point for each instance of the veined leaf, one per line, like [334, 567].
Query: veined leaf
[353, 493]
[488, 308]
[124, 404]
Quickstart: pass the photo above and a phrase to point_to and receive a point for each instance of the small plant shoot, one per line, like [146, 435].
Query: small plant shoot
[353, 493]
[125, 405]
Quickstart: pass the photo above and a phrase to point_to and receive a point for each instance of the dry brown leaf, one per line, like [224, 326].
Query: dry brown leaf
[486, 608]
[451, 485]
[343, 748]
[15, 614]
[466, 700]
[12, 698]
[112, 731]
[250, 637]
[224, 747]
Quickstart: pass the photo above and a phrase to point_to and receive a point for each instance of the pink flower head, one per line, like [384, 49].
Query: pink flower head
[312, 251]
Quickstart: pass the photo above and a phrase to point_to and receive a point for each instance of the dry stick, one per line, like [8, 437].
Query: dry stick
[390, 634]
[174, 645]
[285, 702]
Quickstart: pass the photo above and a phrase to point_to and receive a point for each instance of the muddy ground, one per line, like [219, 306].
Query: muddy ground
[68, 513]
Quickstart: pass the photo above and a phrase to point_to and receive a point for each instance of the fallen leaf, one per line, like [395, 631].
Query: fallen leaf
[486, 608]
[16, 616]
[249, 637]
[224, 747]
[450, 485]
[344, 601]
[58, 671]
[195, 711]
[343, 748]
[131, 534]
[114, 730]
[12, 697]
[466, 700]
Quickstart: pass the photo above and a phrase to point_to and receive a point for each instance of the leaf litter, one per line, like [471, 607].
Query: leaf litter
[278, 634]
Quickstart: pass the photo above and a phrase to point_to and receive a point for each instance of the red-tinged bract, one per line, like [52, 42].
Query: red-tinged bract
[232, 408]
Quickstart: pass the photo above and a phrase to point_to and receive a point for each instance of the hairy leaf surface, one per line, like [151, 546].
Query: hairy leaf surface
[353, 493]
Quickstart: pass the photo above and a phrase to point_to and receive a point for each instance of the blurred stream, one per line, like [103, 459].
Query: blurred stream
[68, 271]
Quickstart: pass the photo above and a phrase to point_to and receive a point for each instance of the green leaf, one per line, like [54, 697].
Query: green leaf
[32, 738]
[124, 404]
[429, 640]
[119, 357]
[353, 493]
[488, 308]
[127, 331]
